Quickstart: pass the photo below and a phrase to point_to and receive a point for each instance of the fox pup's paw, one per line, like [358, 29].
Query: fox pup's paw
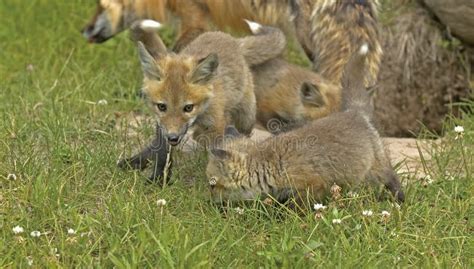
[254, 27]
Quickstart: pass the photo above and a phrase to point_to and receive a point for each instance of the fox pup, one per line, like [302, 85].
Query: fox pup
[328, 30]
[205, 87]
[289, 96]
[342, 148]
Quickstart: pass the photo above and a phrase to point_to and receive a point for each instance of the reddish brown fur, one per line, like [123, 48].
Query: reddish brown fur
[328, 30]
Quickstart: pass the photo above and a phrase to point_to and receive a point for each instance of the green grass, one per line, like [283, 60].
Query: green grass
[62, 147]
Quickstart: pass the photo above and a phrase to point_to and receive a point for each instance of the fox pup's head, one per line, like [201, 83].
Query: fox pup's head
[178, 88]
[227, 170]
[318, 99]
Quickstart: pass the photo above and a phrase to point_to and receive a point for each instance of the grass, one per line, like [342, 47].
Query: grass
[62, 146]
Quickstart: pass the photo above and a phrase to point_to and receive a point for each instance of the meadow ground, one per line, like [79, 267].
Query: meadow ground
[62, 143]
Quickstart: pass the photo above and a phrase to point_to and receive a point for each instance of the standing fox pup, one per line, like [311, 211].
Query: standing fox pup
[343, 148]
[205, 87]
[328, 30]
[289, 96]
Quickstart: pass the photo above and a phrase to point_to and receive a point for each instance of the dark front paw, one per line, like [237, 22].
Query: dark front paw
[134, 163]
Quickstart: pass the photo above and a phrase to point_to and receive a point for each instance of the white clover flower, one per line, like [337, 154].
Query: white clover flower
[353, 194]
[459, 129]
[336, 221]
[11, 177]
[18, 229]
[35, 234]
[239, 210]
[385, 213]
[71, 231]
[397, 206]
[102, 102]
[161, 202]
[429, 180]
[29, 260]
[367, 213]
[319, 207]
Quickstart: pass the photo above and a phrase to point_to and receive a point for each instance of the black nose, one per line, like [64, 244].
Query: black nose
[173, 138]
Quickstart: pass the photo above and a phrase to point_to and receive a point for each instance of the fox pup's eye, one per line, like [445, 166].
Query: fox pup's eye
[188, 108]
[161, 107]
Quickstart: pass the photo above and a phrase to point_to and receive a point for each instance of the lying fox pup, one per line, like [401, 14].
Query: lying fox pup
[342, 148]
[289, 96]
[205, 87]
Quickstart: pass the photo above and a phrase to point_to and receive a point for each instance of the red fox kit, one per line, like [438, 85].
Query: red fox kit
[205, 87]
[342, 148]
[289, 96]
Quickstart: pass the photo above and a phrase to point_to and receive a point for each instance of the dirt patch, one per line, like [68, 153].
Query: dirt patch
[422, 74]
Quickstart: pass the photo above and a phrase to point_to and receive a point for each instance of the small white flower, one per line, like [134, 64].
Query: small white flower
[35, 234]
[459, 129]
[336, 221]
[11, 177]
[102, 102]
[18, 229]
[367, 213]
[429, 180]
[353, 194]
[71, 231]
[161, 202]
[397, 206]
[319, 207]
[385, 213]
[29, 260]
[239, 210]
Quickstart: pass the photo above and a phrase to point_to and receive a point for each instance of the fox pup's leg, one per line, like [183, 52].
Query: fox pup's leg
[244, 117]
[156, 153]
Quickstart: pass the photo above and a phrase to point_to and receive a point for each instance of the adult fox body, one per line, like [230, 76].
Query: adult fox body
[328, 30]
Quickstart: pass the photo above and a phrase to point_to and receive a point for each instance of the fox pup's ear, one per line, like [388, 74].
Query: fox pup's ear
[149, 66]
[311, 95]
[205, 69]
[231, 132]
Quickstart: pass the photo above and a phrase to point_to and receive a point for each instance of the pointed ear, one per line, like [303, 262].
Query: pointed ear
[206, 69]
[231, 132]
[149, 66]
[220, 154]
[311, 95]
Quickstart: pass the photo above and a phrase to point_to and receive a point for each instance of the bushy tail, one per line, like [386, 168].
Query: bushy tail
[265, 44]
[145, 31]
[336, 29]
[354, 93]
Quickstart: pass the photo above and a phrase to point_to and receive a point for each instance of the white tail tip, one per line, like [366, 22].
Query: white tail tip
[150, 25]
[254, 26]
[364, 49]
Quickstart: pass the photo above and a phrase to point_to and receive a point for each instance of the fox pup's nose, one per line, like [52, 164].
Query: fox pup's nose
[173, 139]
